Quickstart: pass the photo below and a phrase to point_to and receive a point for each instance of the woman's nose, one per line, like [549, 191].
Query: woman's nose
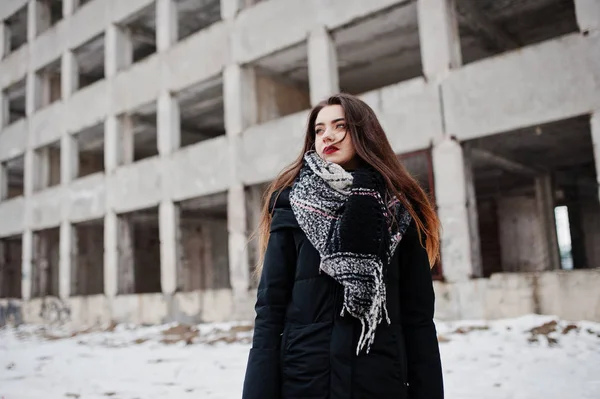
[327, 135]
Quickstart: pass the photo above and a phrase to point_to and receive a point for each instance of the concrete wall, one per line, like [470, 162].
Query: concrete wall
[521, 235]
[205, 255]
[569, 295]
[572, 295]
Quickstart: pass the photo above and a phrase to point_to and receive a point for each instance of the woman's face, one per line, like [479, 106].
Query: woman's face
[332, 138]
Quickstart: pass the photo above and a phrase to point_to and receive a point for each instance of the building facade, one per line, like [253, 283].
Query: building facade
[137, 137]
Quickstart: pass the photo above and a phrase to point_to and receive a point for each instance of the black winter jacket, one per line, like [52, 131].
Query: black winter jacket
[303, 349]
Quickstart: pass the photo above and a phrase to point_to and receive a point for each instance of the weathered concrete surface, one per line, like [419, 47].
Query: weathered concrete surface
[572, 295]
[550, 81]
[13, 140]
[12, 215]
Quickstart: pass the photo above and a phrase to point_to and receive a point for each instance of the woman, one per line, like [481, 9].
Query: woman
[345, 300]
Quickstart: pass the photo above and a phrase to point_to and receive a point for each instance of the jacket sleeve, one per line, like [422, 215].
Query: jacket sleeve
[263, 378]
[417, 306]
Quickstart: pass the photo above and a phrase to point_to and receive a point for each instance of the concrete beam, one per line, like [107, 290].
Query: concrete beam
[264, 29]
[587, 13]
[504, 163]
[13, 215]
[323, 73]
[167, 24]
[470, 14]
[9, 7]
[198, 170]
[439, 38]
[142, 34]
[170, 245]
[136, 186]
[13, 140]
[524, 88]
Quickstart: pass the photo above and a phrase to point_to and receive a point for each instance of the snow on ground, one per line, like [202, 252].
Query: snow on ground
[528, 357]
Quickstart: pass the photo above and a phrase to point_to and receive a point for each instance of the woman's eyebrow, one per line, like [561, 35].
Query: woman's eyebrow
[333, 121]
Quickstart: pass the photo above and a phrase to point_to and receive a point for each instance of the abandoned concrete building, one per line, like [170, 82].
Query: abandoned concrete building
[137, 137]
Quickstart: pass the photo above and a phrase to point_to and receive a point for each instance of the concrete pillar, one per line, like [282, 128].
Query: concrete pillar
[322, 65]
[69, 158]
[42, 168]
[118, 51]
[170, 239]
[439, 38]
[69, 75]
[118, 255]
[29, 172]
[595, 129]
[169, 124]
[33, 93]
[241, 111]
[69, 7]
[472, 214]
[587, 13]
[3, 181]
[111, 255]
[126, 259]
[4, 39]
[118, 142]
[240, 98]
[460, 241]
[544, 196]
[4, 110]
[239, 268]
[167, 24]
[27, 255]
[38, 18]
[67, 249]
[230, 8]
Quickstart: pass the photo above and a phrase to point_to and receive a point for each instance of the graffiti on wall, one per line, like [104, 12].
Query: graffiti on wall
[55, 311]
[10, 313]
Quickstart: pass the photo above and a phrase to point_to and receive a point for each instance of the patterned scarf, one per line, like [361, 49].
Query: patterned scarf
[345, 217]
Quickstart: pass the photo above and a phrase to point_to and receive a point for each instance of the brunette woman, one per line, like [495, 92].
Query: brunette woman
[345, 300]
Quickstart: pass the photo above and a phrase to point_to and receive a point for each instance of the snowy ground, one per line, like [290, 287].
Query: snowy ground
[502, 359]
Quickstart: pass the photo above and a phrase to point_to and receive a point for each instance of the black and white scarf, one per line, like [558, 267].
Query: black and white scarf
[345, 217]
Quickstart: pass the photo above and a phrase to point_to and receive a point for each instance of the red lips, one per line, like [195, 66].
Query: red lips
[330, 149]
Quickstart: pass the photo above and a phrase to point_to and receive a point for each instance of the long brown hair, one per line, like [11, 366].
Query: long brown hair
[372, 147]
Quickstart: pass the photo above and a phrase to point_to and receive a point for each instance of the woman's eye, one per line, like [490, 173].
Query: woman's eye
[340, 126]
[318, 131]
